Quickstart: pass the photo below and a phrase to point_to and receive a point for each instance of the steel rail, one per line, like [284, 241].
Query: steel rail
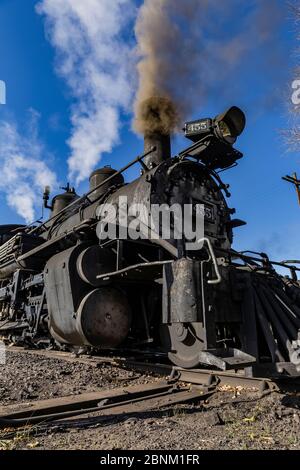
[201, 377]
[128, 400]
[207, 377]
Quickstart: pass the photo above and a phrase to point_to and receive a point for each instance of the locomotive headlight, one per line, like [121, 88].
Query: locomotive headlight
[226, 127]
[230, 124]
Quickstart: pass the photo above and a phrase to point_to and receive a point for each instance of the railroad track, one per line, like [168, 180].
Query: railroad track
[194, 376]
[100, 406]
[178, 386]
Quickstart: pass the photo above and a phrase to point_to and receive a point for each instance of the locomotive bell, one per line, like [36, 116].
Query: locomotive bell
[98, 177]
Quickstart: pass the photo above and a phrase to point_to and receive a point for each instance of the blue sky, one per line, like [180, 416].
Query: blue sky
[259, 85]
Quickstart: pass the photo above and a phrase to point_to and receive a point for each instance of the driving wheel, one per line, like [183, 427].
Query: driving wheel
[183, 343]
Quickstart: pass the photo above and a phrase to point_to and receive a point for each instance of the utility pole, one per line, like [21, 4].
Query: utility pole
[294, 180]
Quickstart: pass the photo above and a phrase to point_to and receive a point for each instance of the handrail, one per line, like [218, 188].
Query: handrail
[85, 196]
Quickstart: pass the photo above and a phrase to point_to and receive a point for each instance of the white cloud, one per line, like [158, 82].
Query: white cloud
[23, 173]
[94, 61]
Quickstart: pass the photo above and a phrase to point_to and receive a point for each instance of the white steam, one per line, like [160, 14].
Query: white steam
[23, 174]
[94, 59]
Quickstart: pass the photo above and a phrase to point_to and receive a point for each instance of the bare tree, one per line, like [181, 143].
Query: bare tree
[292, 135]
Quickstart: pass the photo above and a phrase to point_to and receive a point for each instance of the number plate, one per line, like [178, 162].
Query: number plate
[208, 212]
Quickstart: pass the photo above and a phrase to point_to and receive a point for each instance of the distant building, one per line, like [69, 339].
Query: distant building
[2, 92]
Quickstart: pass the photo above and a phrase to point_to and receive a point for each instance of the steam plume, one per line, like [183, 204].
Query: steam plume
[24, 173]
[185, 51]
[162, 43]
[93, 58]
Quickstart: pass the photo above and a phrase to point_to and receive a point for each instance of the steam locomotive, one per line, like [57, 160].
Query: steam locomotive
[63, 284]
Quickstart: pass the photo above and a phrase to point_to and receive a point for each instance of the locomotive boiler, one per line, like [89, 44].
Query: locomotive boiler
[76, 281]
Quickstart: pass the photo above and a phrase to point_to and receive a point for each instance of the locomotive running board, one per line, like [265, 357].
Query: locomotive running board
[226, 359]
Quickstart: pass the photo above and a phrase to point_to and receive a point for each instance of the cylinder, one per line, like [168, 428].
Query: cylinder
[98, 177]
[162, 143]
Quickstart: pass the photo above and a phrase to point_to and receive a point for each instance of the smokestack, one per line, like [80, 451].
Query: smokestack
[162, 143]
[155, 120]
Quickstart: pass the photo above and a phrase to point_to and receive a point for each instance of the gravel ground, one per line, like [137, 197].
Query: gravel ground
[26, 377]
[231, 419]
